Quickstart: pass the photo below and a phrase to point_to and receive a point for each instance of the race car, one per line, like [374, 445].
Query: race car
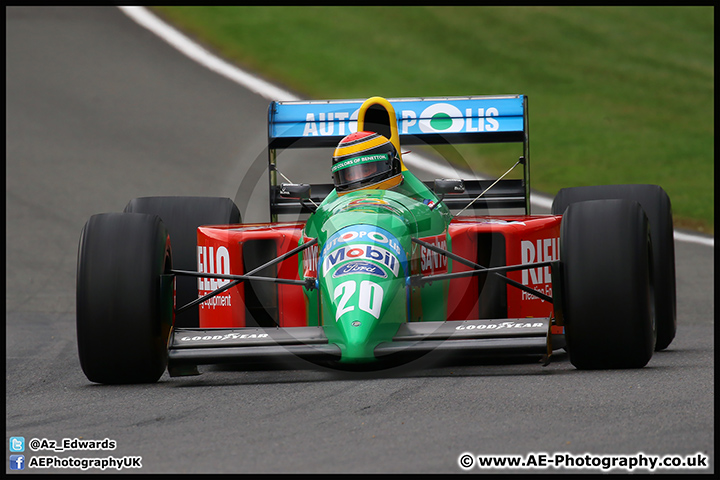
[369, 277]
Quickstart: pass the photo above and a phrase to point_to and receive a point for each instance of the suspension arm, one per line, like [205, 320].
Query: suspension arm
[419, 280]
[308, 283]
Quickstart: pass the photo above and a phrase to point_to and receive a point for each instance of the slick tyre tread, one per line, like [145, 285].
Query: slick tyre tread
[124, 315]
[607, 291]
[656, 204]
[182, 216]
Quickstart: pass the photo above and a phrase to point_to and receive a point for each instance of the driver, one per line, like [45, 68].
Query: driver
[365, 160]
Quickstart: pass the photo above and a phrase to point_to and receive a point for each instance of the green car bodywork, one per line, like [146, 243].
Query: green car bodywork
[366, 257]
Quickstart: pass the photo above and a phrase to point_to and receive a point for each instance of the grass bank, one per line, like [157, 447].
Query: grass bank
[616, 94]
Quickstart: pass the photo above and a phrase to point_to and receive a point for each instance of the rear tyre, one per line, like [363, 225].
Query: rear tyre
[182, 216]
[607, 292]
[124, 300]
[656, 203]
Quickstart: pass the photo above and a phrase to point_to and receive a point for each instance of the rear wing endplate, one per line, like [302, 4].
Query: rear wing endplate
[420, 121]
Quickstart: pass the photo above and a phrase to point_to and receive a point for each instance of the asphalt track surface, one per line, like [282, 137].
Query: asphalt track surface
[99, 111]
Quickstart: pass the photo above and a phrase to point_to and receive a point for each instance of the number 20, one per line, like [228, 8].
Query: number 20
[370, 301]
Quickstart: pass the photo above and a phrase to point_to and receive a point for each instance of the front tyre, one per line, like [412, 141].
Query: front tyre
[607, 289]
[124, 299]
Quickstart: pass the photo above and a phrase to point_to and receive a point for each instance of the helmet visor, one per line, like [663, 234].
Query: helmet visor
[361, 171]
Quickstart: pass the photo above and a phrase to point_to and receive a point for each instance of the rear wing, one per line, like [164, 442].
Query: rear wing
[418, 121]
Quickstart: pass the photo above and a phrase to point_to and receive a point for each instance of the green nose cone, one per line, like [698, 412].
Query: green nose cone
[362, 312]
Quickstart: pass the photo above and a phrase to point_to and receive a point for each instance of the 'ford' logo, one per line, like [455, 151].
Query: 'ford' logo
[360, 267]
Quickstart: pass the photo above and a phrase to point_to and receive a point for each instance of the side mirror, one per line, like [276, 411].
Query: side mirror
[295, 190]
[443, 186]
[448, 185]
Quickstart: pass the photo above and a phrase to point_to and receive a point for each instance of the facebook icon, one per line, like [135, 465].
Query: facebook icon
[17, 462]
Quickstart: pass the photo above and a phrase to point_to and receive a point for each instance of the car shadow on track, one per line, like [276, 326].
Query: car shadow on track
[428, 366]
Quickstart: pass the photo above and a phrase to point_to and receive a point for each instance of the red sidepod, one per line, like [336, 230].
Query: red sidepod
[224, 250]
[497, 241]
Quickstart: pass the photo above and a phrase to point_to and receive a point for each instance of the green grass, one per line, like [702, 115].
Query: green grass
[616, 94]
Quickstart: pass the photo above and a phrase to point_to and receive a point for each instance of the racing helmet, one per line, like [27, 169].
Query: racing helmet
[365, 160]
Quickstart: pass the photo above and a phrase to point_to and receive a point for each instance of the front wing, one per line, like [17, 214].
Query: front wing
[189, 347]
